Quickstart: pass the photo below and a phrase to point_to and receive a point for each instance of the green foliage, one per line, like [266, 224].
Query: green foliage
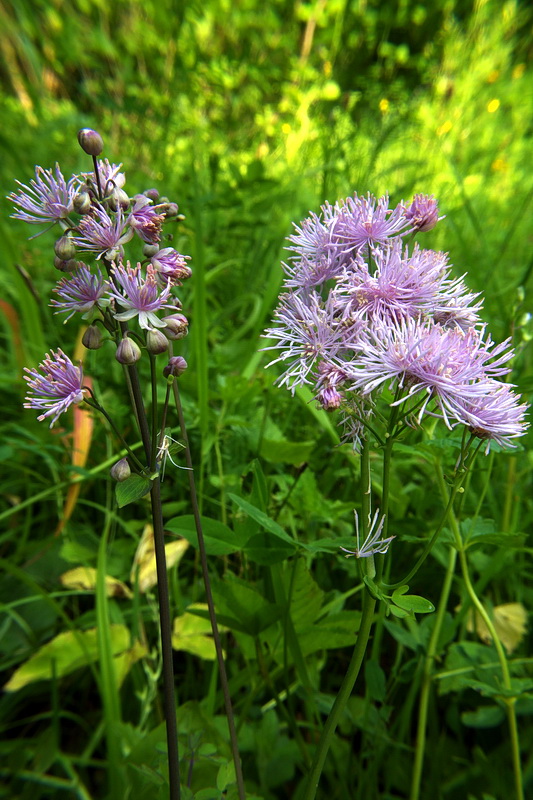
[251, 114]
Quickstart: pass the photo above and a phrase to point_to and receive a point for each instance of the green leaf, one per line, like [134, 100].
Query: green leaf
[412, 603]
[295, 453]
[375, 680]
[483, 717]
[133, 488]
[265, 522]
[263, 550]
[249, 611]
[219, 539]
[65, 653]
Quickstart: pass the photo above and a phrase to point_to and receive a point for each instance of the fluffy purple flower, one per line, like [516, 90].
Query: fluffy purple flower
[423, 213]
[171, 266]
[48, 198]
[308, 334]
[57, 388]
[367, 222]
[402, 286]
[141, 297]
[81, 291]
[109, 174]
[495, 415]
[446, 365]
[146, 220]
[100, 233]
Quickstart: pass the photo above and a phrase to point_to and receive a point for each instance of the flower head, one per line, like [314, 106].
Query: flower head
[109, 175]
[495, 415]
[423, 213]
[81, 291]
[141, 297]
[57, 388]
[100, 233]
[146, 220]
[171, 266]
[365, 221]
[48, 198]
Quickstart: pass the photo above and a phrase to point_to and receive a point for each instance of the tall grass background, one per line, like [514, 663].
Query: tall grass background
[249, 115]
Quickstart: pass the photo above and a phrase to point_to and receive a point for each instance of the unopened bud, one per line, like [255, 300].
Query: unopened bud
[82, 203]
[65, 266]
[176, 366]
[128, 352]
[150, 250]
[152, 194]
[90, 141]
[92, 339]
[176, 326]
[156, 342]
[172, 210]
[64, 248]
[163, 200]
[121, 470]
[118, 199]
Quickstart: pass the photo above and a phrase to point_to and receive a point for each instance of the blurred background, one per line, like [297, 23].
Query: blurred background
[249, 114]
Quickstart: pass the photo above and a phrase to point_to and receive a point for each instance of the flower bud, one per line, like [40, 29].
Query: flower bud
[176, 326]
[176, 366]
[156, 342]
[121, 470]
[423, 213]
[118, 199]
[90, 141]
[128, 352]
[163, 200]
[92, 339]
[150, 250]
[64, 248]
[82, 203]
[152, 194]
[172, 210]
[65, 266]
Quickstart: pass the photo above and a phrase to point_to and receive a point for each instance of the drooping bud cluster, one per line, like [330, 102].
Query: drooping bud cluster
[362, 312]
[99, 219]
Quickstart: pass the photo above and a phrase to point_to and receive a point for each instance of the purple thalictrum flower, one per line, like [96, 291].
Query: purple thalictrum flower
[423, 213]
[109, 174]
[48, 198]
[57, 388]
[495, 415]
[146, 220]
[372, 544]
[366, 221]
[81, 292]
[171, 266]
[308, 334]
[103, 234]
[141, 297]
[421, 356]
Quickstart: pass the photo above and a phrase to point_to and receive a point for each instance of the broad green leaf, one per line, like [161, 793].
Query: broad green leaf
[133, 488]
[330, 633]
[192, 634]
[84, 578]
[267, 523]
[250, 612]
[483, 717]
[263, 549]
[411, 602]
[219, 539]
[295, 453]
[65, 653]
[375, 680]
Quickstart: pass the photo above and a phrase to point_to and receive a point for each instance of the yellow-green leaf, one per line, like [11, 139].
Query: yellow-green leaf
[84, 578]
[193, 635]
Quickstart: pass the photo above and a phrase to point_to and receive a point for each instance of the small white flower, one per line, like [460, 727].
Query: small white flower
[167, 442]
[372, 544]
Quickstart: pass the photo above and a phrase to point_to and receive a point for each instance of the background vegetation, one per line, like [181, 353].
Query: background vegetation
[249, 115]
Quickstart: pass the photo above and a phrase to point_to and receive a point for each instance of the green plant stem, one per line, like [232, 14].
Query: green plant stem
[163, 595]
[369, 604]
[502, 658]
[210, 602]
[427, 676]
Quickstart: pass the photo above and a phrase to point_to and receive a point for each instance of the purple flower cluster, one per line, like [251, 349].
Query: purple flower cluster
[96, 217]
[362, 312]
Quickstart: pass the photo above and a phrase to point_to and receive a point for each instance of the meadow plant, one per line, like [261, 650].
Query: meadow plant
[380, 330]
[97, 219]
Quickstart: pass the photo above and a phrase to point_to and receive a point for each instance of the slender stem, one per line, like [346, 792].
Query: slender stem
[345, 691]
[363, 635]
[163, 595]
[210, 603]
[427, 676]
[97, 407]
[500, 652]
